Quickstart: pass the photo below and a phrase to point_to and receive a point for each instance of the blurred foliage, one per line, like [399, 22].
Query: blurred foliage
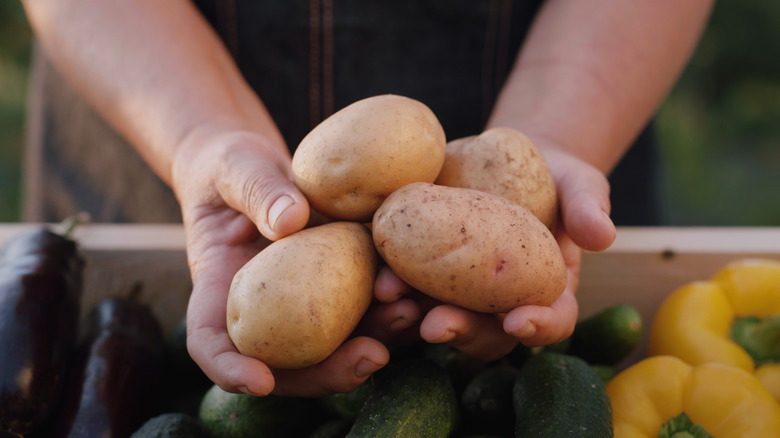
[14, 60]
[718, 131]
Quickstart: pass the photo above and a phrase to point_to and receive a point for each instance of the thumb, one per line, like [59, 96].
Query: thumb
[261, 189]
[585, 207]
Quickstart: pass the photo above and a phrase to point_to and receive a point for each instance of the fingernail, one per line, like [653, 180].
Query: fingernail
[365, 368]
[446, 337]
[278, 208]
[244, 390]
[400, 324]
[526, 331]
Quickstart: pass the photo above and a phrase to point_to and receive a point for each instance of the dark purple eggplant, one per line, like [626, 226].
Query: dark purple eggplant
[114, 380]
[40, 292]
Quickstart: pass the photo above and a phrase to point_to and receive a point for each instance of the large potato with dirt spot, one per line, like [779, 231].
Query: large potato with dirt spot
[505, 162]
[348, 164]
[295, 302]
[465, 247]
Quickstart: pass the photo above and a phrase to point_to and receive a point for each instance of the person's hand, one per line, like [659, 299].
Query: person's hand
[236, 193]
[583, 196]
[585, 224]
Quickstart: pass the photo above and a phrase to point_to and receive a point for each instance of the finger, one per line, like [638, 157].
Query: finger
[479, 335]
[585, 207]
[213, 351]
[388, 287]
[386, 322]
[210, 346]
[349, 366]
[258, 184]
[208, 342]
[541, 325]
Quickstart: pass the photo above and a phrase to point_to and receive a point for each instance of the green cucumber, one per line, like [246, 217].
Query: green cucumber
[414, 397]
[460, 367]
[605, 372]
[231, 415]
[608, 336]
[346, 405]
[486, 403]
[172, 425]
[558, 395]
[332, 429]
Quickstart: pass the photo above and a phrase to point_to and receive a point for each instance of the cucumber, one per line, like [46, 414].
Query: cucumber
[460, 367]
[172, 425]
[347, 405]
[558, 395]
[414, 397]
[608, 336]
[230, 415]
[486, 403]
[605, 372]
[332, 429]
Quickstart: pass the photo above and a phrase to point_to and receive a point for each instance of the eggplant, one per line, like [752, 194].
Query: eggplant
[41, 276]
[114, 381]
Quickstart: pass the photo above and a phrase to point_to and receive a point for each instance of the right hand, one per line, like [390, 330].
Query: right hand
[237, 195]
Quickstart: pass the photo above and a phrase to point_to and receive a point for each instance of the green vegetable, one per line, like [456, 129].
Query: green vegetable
[172, 425]
[486, 403]
[558, 395]
[346, 405]
[230, 415]
[332, 429]
[681, 426]
[460, 367]
[604, 372]
[414, 397]
[608, 336]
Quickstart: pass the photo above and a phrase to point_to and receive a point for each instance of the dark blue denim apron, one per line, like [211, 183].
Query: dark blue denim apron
[307, 59]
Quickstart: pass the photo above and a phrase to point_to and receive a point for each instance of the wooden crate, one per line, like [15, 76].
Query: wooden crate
[641, 268]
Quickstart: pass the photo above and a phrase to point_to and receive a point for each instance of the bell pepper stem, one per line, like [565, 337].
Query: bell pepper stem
[681, 426]
[760, 337]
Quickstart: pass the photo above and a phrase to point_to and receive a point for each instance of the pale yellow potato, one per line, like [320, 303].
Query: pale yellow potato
[348, 164]
[469, 248]
[505, 162]
[295, 302]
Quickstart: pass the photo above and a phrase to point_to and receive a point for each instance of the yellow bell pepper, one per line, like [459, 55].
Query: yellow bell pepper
[769, 375]
[724, 400]
[703, 321]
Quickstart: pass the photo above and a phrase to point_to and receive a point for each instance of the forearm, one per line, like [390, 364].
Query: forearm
[592, 73]
[154, 69]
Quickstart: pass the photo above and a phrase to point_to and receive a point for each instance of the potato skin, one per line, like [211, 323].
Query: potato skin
[505, 162]
[348, 164]
[297, 300]
[469, 248]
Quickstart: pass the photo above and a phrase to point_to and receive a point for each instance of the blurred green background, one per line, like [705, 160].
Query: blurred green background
[718, 130]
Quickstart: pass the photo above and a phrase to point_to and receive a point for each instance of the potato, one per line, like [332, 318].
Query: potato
[504, 162]
[469, 248]
[348, 164]
[297, 300]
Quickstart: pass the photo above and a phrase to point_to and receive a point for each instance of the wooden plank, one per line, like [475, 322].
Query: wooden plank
[641, 268]
[646, 264]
